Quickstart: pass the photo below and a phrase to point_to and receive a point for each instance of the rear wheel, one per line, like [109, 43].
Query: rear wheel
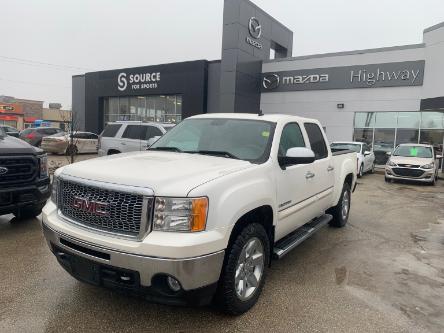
[244, 271]
[341, 211]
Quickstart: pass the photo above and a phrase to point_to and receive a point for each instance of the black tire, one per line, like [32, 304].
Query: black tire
[361, 171]
[387, 180]
[29, 212]
[339, 219]
[372, 170]
[227, 297]
[113, 152]
[71, 150]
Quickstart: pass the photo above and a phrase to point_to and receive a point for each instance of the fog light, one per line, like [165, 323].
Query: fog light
[173, 284]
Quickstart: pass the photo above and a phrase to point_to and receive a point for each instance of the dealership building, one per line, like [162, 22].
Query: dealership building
[383, 96]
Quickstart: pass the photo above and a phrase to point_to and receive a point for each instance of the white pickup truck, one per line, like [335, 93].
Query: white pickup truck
[199, 216]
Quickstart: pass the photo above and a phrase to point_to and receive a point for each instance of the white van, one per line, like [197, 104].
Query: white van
[126, 136]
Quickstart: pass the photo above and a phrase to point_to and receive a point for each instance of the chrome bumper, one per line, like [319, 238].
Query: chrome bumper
[192, 273]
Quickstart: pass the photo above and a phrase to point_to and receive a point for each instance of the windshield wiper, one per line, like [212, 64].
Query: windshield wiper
[214, 153]
[167, 149]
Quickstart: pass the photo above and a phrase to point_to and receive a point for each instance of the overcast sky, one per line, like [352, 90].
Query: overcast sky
[89, 35]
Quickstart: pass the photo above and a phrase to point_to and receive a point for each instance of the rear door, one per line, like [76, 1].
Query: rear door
[296, 195]
[109, 139]
[324, 175]
[80, 142]
[92, 141]
[132, 137]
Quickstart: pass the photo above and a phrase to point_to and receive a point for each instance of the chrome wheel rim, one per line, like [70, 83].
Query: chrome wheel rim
[361, 171]
[249, 269]
[345, 205]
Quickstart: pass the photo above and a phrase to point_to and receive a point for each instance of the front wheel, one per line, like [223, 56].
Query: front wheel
[244, 271]
[341, 211]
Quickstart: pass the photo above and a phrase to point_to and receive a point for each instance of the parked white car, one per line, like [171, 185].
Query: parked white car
[126, 136]
[366, 157]
[202, 212]
[76, 143]
[416, 162]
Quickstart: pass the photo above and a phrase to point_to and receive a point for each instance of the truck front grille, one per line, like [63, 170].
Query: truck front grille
[405, 172]
[17, 169]
[103, 209]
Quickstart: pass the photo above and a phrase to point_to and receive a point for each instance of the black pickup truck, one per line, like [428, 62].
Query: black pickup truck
[24, 179]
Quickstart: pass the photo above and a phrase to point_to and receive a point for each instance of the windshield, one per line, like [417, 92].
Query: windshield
[243, 139]
[413, 151]
[347, 146]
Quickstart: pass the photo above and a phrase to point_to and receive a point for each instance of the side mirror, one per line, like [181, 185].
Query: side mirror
[438, 157]
[152, 140]
[389, 153]
[297, 155]
[366, 153]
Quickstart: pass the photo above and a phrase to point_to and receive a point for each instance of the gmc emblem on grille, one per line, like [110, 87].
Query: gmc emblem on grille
[90, 206]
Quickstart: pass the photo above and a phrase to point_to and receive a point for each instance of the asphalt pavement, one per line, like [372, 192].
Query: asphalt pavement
[383, 272]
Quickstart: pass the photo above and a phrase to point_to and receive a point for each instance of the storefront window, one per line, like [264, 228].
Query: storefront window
[386, 119]
[364, 119]
[406, 136]
[432, 120]
[384, 141]
[432, 137]
[409, 119]
[363, 135]
[158, 108]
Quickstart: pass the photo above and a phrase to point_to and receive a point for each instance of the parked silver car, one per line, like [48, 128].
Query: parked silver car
[413, 162]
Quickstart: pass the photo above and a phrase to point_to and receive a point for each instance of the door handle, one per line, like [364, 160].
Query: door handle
[309, 175]
[330, 168]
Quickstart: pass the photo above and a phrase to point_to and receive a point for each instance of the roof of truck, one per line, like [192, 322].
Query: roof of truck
[254, 116]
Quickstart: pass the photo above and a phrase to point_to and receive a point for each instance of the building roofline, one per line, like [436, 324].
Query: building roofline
[346, 53]
[434, 27]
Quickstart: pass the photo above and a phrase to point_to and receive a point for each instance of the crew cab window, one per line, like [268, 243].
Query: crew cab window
[152, 132]
[111, 130]
[291, 137]
[48, 131]
[134, 132]
[317, 141]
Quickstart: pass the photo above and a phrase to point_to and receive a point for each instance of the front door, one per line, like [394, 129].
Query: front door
[295, 193]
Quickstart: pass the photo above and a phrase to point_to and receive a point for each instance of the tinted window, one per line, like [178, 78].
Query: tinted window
[111, 130]
[152, 132]
[291, 137]
[346, 146]
[26, 131]
[134, 132]
[317, 142]
[80, 135]
[47, 131]
[91, 136]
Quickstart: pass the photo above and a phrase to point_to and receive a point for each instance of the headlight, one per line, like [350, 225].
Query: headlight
[54, 190]
[180, 214]
[390, 163]
[428, 166]
[43, 161]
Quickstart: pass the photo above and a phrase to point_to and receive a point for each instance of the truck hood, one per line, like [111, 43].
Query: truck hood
[12, 145]
[166, 173]
[410, 160]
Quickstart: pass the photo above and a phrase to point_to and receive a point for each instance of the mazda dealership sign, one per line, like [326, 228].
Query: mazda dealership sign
[397, 74]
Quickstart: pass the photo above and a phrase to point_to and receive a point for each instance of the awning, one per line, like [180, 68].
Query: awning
[3, 117]
[30, 119]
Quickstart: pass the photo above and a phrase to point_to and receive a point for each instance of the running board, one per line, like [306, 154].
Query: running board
[288, 243]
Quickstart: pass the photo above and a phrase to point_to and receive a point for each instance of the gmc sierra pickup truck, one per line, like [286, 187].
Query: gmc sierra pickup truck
[24, 180]
[199, 216]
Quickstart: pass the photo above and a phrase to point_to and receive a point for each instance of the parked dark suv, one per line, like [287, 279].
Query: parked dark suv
[10, 130]
[24, 179]
[34, 136]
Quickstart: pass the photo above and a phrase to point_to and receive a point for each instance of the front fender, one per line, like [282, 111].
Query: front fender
[234, 195]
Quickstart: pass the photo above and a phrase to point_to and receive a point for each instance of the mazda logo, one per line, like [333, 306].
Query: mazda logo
[255, 28]
[121, 81]
[270, 81]
[3, 171]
